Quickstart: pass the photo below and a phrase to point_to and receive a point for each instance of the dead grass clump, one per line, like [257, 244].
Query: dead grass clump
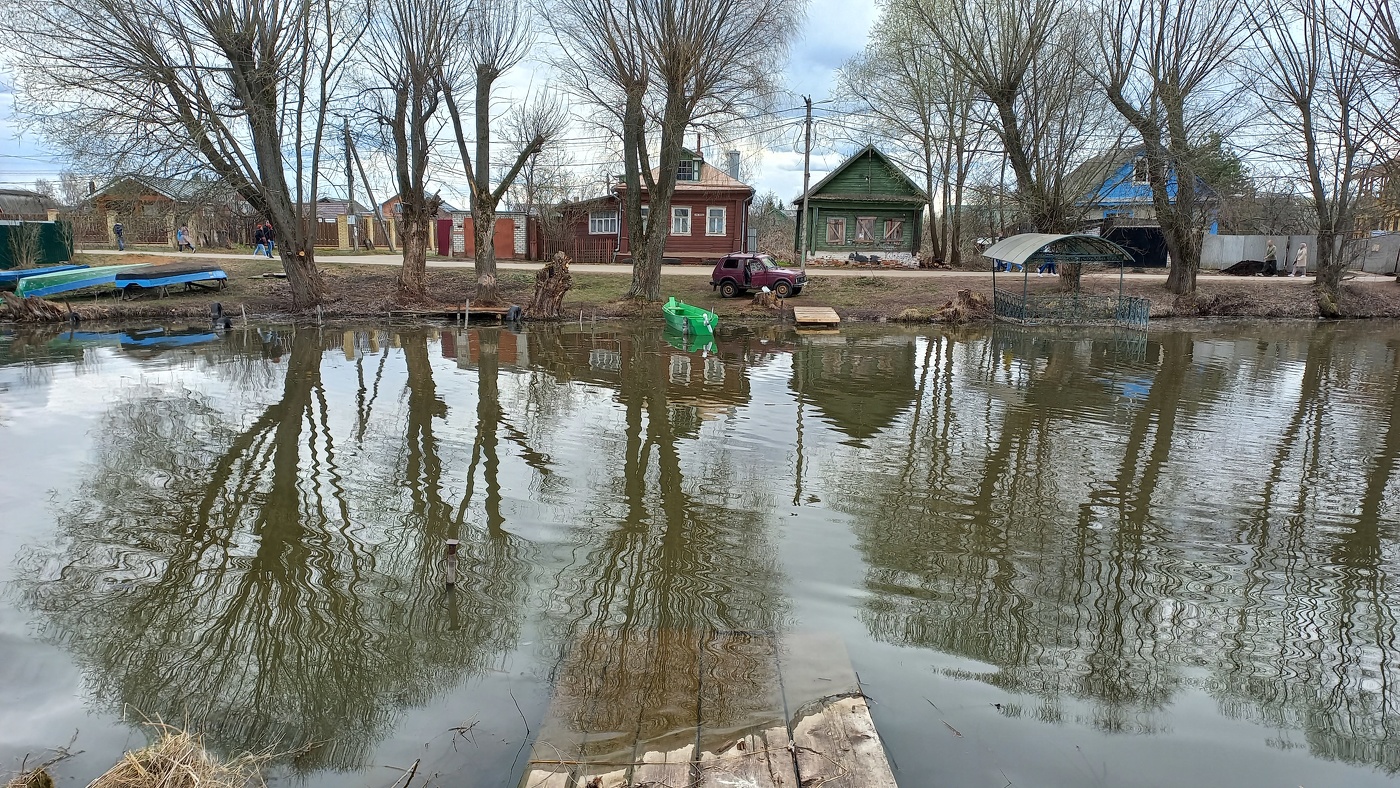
[178, 760]
[38, 778]
[869, 281]
[965, 307]
[912, 315]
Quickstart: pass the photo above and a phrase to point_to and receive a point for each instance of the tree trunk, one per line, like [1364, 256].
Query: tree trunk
[1181, 279]
[413, 278]
[552, 282]
[484, 233]
[304, 279]
[1331, 264]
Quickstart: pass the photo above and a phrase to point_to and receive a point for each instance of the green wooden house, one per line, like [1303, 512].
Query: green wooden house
[866, 206]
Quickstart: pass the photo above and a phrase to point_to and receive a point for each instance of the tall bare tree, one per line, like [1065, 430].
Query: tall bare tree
[547, 176]
[1316, 89]
[497, 38]
[1163, 70]
[657, 67]
[239, 88]
[408, 54]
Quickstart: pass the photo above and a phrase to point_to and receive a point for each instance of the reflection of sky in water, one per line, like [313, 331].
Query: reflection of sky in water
[976, 518]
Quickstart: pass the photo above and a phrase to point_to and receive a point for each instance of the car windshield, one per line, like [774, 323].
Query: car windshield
[765, 262]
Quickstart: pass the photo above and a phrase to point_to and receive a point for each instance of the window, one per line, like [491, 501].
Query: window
[865, 229]
[731, 263]
[835, 232]
[680, 221]
[687, 171]
[602, 222]
[894, 231]
[1140, 169]
[714, 221]
[646, 211]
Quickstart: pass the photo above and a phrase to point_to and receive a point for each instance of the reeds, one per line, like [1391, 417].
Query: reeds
[177, 759]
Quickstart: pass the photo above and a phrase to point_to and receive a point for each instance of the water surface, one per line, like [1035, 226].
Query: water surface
[1056, 558]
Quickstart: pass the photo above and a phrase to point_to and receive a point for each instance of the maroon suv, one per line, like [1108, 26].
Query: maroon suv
[741, 272]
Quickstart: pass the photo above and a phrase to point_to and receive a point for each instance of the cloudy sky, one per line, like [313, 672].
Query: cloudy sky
[834, 31]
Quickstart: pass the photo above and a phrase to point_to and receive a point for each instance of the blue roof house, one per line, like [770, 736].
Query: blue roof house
[1117, 187]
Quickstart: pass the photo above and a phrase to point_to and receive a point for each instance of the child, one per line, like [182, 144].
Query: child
[182, 239]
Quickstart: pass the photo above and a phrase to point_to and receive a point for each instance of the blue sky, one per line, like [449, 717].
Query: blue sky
[834, 31]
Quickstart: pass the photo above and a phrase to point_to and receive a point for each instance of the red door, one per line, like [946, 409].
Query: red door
[444, 237]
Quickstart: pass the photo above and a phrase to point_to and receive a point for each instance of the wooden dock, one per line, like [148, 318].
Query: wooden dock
[682, 709]
[815, 317]
[455, 312]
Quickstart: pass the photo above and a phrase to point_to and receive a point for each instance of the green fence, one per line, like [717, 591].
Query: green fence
[26, 244]
[1071, 309]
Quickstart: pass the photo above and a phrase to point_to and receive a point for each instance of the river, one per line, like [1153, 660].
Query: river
[1056, 558]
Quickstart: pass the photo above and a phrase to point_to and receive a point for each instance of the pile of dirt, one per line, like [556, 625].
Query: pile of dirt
[965, 307]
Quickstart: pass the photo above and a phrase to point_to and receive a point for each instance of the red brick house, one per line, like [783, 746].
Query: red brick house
[709, 217]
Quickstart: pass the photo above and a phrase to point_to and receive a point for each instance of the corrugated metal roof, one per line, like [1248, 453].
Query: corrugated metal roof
[1061, 248]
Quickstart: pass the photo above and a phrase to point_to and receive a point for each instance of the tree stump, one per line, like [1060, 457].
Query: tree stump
[965, 307]
[552, 282]
[763, 299]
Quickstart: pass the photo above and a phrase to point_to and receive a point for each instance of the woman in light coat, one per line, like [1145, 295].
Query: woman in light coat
[1300, 263]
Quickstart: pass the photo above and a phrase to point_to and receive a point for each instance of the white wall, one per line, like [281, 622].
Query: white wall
[1374, 255]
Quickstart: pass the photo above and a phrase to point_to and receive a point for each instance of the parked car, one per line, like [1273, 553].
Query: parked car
[738, 273]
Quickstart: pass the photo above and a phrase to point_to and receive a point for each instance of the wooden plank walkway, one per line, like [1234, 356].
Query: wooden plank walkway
[815, 316]
[682, 709]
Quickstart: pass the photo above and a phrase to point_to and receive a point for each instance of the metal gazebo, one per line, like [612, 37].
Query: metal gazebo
[1077, 308]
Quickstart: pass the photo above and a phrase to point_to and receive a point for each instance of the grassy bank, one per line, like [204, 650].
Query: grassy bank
[366, 291]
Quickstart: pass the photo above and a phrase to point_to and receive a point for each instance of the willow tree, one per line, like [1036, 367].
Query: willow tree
[1163, 68]
[495, 40]
[1317, 91]
[409, 47]
[241, 89]
[656, 67]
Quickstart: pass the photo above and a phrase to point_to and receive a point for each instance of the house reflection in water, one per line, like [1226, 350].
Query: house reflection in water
[859, 386]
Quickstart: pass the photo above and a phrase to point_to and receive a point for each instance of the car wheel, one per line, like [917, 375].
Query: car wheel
[797, 291]
[782, 289]
[728, 290]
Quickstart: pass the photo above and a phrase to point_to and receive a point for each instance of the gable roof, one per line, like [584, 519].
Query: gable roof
[711, 178]
[177, 189]
[917, 195]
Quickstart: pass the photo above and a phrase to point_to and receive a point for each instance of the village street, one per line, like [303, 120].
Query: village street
[688, 270]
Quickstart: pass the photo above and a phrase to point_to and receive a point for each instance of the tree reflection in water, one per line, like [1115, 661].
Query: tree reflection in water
[1079, 523]
[225, 577]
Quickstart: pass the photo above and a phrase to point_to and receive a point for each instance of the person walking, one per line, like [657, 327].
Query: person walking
[182, 239]
[259, 240]
[118, 230]
[1270, 258]
[271, 238]
[1300, 263]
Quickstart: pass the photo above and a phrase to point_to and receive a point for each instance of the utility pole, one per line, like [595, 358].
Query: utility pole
[806, 181]
[350, 218]
[378, 210]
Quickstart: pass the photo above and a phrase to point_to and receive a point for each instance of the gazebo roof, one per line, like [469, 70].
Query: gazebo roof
[1019, 249]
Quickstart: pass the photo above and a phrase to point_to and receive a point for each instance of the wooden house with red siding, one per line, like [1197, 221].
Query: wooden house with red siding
[708, 217]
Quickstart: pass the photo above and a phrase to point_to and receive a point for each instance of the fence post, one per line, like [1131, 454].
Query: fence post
[342, 232]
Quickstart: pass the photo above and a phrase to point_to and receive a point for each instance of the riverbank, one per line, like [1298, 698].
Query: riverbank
[360, 290]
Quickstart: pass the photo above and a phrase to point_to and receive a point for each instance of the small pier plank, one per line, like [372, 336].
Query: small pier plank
[758, 760]
[743, 726]
[838, 747]
[815, 316]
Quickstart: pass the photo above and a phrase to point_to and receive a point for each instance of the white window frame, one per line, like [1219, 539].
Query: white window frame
[600, 221]
[694, 170]
[677, 212]
[710, 214]
[646, 213]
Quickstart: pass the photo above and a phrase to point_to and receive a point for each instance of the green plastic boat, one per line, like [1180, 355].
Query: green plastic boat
[67, 281]
[689, 319]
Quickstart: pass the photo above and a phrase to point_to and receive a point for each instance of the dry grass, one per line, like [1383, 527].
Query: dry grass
[177, 759]
[38, 778]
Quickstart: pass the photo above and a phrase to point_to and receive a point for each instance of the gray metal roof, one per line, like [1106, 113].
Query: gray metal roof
[1060, 248]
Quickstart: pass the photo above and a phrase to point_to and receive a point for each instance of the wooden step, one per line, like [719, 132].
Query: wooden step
[815, 316]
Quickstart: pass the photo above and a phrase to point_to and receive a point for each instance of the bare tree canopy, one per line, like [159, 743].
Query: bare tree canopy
[239, 88]
[656, 67]
[1164, 71]
[408, 51]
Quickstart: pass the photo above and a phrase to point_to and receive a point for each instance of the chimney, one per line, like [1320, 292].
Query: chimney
[733, 167]
[92, 187]
[697, 145]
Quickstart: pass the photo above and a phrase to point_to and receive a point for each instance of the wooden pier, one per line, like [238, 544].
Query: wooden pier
[682, 709]
[455, 312]
[815, 317]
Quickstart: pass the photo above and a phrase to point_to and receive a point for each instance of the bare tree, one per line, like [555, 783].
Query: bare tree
[1162, 69]
[546, 177]
[1315, 87]
[497, 38]
[72, 187]
[409, 50]
[657, 67]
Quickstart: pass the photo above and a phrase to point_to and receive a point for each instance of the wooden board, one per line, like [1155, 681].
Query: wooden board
[673, 708]
[838, 747]
[815, 316]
